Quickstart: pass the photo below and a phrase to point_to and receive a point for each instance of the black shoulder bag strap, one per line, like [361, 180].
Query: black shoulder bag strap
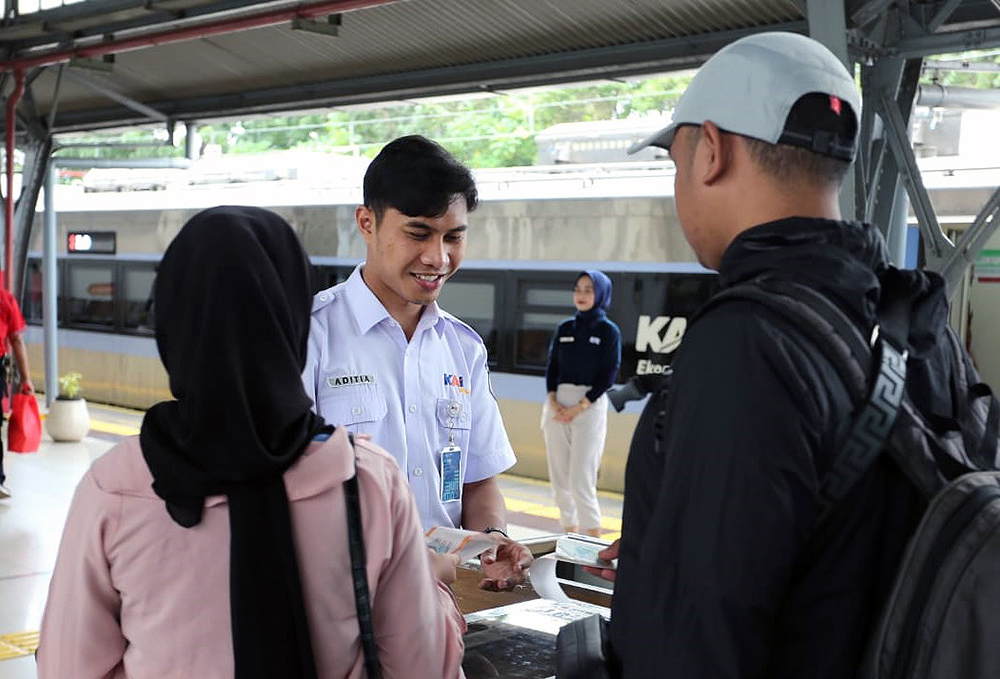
[362, 600]
[878, 397]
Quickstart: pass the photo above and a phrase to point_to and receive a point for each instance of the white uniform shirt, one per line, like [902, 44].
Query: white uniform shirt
[412, 397]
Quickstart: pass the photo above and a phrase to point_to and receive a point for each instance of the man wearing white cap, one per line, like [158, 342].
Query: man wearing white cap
[721, 573]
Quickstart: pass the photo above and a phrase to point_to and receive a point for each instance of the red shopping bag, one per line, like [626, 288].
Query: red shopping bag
[24, 432]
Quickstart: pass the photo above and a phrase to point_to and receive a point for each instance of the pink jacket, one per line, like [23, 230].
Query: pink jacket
[136, 595]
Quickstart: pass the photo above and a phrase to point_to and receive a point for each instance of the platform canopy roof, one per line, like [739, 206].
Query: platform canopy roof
[104, 63]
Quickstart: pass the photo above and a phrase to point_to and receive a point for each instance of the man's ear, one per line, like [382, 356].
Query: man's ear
[717, 150]
[365, 219]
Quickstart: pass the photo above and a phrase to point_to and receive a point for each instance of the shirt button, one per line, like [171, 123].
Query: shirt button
[464, 417]
[324, 297]
[413, 407]
[417, 471]
[356, 410]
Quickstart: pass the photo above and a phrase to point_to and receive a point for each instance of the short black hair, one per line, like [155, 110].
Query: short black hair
[791, 164]
[418, 177]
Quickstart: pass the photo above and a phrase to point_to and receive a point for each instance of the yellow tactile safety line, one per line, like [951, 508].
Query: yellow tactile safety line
[17, 645]
[612, 527]
[114, 428]
[606, 494]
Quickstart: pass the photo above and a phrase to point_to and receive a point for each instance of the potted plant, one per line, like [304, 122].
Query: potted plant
[68, 419]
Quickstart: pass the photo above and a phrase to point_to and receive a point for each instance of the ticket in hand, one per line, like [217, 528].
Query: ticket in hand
[467, 544]
[583, 550]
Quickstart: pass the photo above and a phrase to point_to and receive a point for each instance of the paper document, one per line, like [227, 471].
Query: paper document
[583, 550]
[467, 544]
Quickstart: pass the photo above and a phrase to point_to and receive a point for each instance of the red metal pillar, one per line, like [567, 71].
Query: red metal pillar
[11, 131]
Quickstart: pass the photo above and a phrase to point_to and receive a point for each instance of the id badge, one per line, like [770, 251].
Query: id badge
[451, 474]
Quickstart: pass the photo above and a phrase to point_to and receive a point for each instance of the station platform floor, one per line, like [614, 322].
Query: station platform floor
[42, 485]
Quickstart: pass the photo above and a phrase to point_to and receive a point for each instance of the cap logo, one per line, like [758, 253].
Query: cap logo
[835, 104]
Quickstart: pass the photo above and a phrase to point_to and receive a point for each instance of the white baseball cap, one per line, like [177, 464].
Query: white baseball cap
[750, 86]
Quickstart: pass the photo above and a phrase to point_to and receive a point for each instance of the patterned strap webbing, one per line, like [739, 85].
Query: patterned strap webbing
[878, 398]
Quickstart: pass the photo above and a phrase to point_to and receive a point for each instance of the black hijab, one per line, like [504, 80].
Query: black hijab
[232, 302]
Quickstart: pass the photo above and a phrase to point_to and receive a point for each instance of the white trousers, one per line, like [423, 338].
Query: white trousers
[574, 455]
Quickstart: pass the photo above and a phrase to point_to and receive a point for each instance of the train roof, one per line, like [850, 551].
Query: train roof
[652, 179]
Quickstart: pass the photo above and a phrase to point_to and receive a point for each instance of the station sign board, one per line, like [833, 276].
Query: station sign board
[91, 243]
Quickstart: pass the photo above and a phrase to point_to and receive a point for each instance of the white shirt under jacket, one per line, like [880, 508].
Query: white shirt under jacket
[414, 397]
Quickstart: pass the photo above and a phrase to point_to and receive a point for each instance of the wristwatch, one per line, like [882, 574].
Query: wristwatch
[494, 529]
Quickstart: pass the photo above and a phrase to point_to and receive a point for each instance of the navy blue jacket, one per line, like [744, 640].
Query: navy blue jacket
[584, 353]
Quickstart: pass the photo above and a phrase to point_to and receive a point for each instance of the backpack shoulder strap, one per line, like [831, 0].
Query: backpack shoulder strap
[877, 398]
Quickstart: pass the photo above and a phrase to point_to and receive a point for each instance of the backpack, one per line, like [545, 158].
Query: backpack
[942, 618]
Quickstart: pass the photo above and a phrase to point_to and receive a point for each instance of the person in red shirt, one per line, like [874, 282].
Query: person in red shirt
[11, 325]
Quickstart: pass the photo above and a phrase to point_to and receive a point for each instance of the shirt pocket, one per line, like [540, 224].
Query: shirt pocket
[454, 412]
[353, 407]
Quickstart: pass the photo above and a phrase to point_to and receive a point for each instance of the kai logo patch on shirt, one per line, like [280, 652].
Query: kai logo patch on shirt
[334, 381]
[457, 381]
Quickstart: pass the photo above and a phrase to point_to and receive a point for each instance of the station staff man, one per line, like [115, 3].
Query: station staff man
[385, 360]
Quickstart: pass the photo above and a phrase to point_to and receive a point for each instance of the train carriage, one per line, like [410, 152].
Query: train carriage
[534, 230]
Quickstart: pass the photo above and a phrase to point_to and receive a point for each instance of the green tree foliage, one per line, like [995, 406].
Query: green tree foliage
[486, 130]
[959, 77]
[493, 130]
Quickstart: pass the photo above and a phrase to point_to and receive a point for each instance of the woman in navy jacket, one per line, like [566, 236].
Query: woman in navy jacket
[583, 362]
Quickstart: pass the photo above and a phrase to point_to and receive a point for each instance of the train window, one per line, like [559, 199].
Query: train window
[475, 303]
[139, 298]
[561, 297]
[534, 335]
[546, 300]
[90, 297]
[326, 276]
[31, 303]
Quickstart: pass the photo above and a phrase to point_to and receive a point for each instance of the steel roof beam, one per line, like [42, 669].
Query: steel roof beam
[240, 22]
[870, 11]
[971, 242]
[943, 15]
[154, 16]
[602, 62]
[128, 102]
[937, 245]
[951, 41]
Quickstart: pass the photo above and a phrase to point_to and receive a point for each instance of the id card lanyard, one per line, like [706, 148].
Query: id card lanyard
[451, 461]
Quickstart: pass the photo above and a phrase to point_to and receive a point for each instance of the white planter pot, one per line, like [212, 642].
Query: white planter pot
[68, 420]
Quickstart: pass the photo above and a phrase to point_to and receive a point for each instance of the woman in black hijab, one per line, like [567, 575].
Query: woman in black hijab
[232, 301]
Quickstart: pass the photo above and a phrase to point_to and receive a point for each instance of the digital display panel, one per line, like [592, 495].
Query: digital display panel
[91, 242]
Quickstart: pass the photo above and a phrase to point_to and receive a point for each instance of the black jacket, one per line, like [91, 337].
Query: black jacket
[721, 574]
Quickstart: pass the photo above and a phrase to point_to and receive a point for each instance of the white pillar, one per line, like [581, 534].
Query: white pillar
[50, 287]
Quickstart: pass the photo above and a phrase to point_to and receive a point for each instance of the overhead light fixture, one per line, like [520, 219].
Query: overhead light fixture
[106, 63]
[329, 27]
